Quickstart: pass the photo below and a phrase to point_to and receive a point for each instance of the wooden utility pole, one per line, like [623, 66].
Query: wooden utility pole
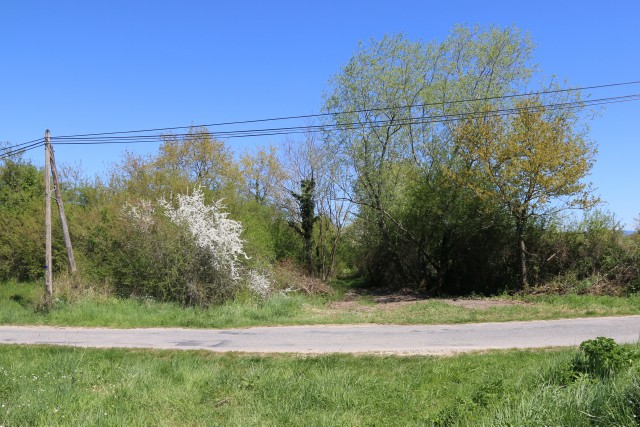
[63, 217]
[48, 277]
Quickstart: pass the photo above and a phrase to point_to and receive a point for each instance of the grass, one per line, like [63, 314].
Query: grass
[66, 386]
[41, 385]
[19, 302]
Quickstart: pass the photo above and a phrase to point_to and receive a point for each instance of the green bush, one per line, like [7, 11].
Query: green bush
[22, 223]
[597, 359]
[603, 357]
[588, 257]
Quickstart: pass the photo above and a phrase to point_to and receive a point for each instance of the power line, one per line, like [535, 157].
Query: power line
[308, 116]
[15, 146]
[444, 118]
[343, 126]
[76, 140]
[125, 137]
[8, 154]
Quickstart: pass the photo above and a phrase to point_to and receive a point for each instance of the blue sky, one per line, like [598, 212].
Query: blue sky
[82, 66]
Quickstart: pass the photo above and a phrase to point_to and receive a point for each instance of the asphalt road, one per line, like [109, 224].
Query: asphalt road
[390, 339]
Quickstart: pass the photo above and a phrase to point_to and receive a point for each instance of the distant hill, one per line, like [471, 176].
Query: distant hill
[628, 232]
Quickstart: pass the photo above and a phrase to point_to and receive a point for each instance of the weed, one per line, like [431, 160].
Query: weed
[603, 357]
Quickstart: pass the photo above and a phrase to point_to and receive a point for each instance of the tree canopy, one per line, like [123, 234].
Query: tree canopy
[533, 163]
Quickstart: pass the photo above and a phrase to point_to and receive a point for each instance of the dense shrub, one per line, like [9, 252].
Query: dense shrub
[188, 253]
[447, 241]
[436, 237]
[22, 223]
[589, 256]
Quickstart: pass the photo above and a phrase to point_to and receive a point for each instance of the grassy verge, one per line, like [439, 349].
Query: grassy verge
[66, 386]
[17, 302]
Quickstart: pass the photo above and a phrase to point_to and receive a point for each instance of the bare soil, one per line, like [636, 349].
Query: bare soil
[482, 303]
[363, 301]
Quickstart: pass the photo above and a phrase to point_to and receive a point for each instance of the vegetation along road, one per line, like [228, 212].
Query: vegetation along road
[397, 339]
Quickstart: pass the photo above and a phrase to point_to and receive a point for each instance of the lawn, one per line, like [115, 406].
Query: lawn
[68, 386]
[19, 303]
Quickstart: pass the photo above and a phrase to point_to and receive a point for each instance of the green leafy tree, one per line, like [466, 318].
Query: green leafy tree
[22, 221]
[183, 162]
[198, 157]
[533, 163]
[384, 106]
[306, 201]
[263, 175]
[317, 208]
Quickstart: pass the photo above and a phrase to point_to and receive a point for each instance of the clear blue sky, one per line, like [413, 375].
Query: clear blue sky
[83, 66]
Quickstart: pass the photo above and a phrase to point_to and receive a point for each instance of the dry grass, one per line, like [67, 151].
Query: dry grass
[290, 276]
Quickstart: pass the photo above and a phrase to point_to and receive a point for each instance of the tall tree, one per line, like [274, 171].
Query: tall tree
[318, 209]
[199, 157]
[306, 206]
[534, 163]
[263, 175]
[390, 108]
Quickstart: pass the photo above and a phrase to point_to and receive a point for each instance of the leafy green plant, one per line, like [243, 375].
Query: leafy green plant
[603, 357]
[598, 359]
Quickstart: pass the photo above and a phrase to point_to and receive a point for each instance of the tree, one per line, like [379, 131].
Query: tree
[199, 158]
[334, 213]
[306, 202]
[21, 226]
[388, 110]
[183, 162]
[317, 208]
[263, 175]
[534, 163]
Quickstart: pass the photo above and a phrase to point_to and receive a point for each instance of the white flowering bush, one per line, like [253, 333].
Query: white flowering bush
[258, 284]
[183, 250]
[211, 229]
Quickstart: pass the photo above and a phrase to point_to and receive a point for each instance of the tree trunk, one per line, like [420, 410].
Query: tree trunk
[308, 253]
[522, 253]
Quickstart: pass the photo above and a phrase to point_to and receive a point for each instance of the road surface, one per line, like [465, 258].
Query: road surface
[385, 339]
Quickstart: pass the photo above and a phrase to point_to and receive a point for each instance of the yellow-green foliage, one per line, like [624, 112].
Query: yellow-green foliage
[527, 161]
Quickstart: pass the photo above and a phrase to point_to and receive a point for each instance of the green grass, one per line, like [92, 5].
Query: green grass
[18, 303]
[66, 386]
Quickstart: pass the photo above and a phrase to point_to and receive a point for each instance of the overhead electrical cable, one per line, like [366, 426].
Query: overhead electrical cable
[15, 146]
[138, 136]
[295, 129]
[443, 118]
[11, 153]
[309, 116]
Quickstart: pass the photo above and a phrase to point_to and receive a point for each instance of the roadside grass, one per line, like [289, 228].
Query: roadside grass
[41, 385]
[19, 304]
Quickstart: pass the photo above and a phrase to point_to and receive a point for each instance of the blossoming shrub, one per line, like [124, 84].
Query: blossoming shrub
[159, 259]
[258, 284]
[189, 252]
[211, 230]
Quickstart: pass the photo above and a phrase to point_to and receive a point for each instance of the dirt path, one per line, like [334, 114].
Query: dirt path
[391, 339]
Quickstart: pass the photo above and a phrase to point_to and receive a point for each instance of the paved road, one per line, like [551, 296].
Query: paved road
[413, 339]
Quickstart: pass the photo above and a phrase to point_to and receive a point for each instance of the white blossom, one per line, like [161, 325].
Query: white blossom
[142, 213]
[210, 227]
[259, 284]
